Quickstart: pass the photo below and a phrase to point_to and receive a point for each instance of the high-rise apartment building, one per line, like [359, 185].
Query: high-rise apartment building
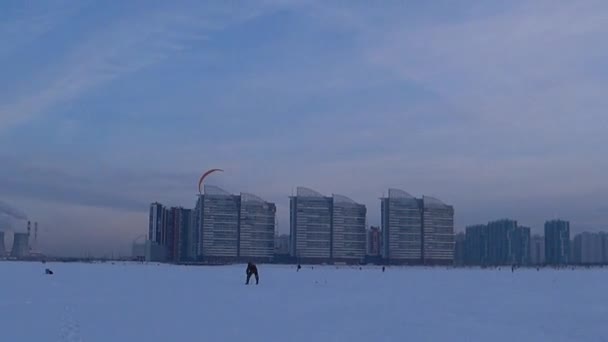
[537, 250]
[416, 231]
[500, 242]
[459, 249]
[347, 230]
[157, 223]
[401, 217]
[557, 242]
[326, 229]
[256, 228]
[374, 236]
[476, 245]
[437, 232]
[310, 225]
[2, 246]
[588, 248]
[234, 227]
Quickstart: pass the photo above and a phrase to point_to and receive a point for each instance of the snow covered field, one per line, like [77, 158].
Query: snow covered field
[131, 302]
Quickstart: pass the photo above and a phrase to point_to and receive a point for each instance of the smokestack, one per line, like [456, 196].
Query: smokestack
[29, 227]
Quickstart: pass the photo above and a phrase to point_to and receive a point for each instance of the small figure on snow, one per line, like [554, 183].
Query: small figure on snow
[299, 267]
[252, 269]
[383, 268]
[48, 271]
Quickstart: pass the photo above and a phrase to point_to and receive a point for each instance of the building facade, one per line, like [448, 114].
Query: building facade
[157, 223]
[2, 246]
[326, 229]
[416, 231]
[374, 238]
[347, 230]
[459, 249]
[557, 242]
[401, 217]
[537, 250]
[234, 227]
[476, 245]
[310, 226]
[437, 232]
[588, 249]
[500, 242]
[256, 228]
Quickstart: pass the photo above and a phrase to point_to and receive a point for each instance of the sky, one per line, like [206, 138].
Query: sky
[497, 108]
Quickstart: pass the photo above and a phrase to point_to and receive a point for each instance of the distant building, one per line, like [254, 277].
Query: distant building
[459, 249]
[499, 234]
[416, 231]
[604, 247]
[519, 243]
[476, 245]
[326, 229]
[178, 241]
[437, 232]
[281, 244]
[537, 250]
[347, 230]
[588, 249]
[310, 225]
[256, 228]
[374, 236]
[401, 217]
[557, 242]
[234, 227]
[157, 223]
[500, 242]
[2, 246]
[155, 252]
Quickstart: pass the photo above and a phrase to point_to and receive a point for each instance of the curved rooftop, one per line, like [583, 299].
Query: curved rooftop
[213, 190]
[398, 193]
[433, 202]
[247, 197]
[307, 192]
[343, 199]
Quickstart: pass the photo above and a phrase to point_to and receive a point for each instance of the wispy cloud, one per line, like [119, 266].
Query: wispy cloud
[126, 46]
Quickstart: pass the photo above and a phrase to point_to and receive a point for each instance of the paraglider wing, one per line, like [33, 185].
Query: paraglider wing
[200, 182]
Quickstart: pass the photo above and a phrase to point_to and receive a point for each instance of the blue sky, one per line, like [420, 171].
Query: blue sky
[496, 108]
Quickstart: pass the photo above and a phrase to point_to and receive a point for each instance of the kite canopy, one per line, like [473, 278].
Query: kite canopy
[200, 181]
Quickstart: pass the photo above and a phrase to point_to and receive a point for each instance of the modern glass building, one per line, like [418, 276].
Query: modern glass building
[401, 217]
[310, 225]
[348, 230]
[437, 232]
[256, 228]
[557, 242]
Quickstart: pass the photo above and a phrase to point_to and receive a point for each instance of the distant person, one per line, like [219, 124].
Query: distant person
[252, 269]
[383, 268]
[299, 267]
[48, 271]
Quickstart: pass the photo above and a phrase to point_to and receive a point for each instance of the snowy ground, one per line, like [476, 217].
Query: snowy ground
[130, 302]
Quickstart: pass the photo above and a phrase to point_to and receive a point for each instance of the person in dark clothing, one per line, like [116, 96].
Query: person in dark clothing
[252, 269]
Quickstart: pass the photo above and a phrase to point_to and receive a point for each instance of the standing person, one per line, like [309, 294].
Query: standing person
[252, 269]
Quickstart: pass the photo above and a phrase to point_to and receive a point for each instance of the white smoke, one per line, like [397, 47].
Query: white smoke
[12, 212]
